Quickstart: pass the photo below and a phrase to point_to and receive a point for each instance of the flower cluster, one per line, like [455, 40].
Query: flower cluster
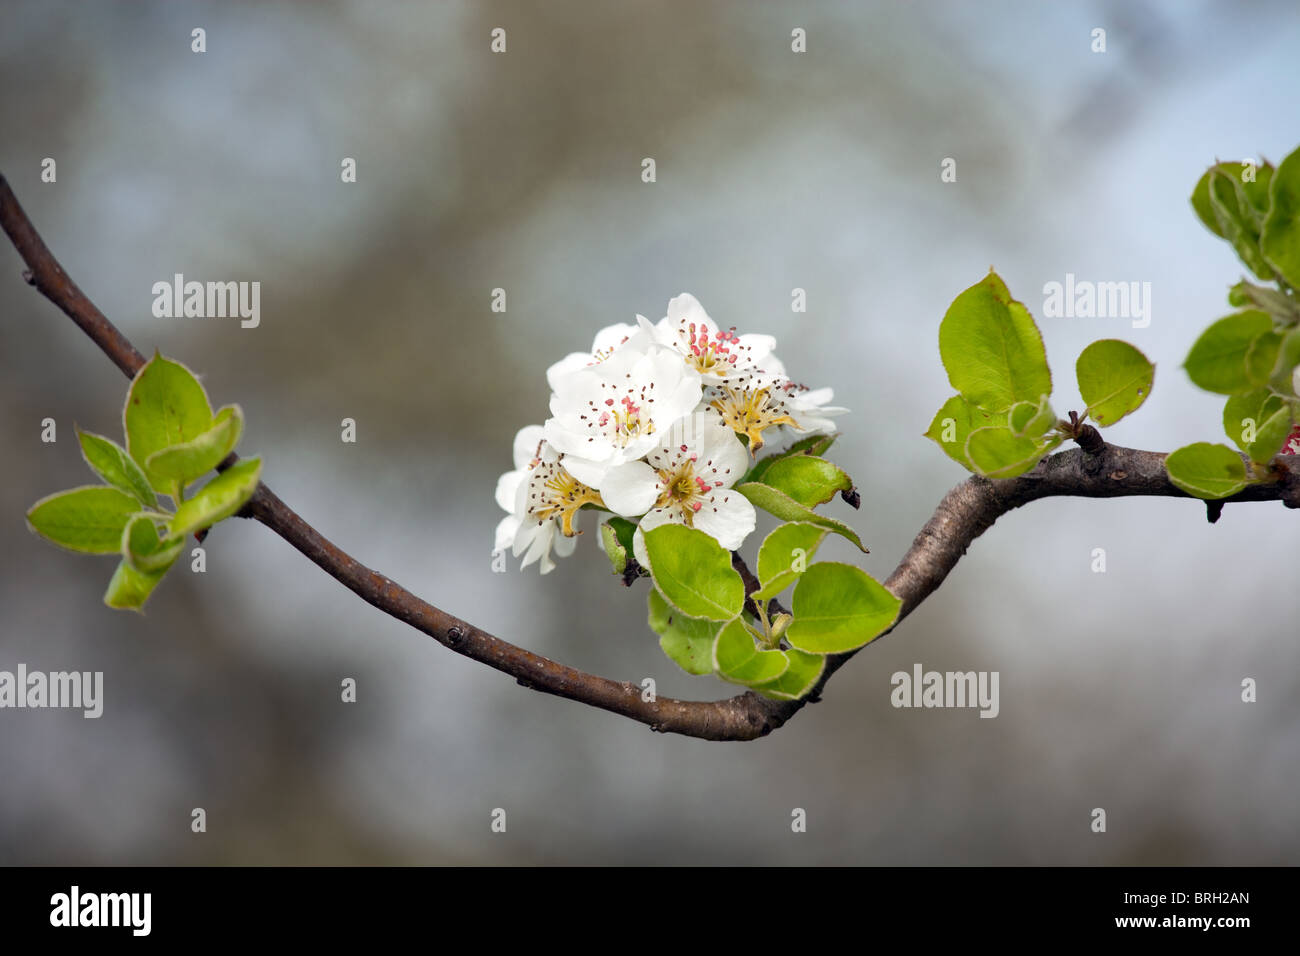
[655, 424]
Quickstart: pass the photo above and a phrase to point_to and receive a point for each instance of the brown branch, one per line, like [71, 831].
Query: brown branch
[963, 515]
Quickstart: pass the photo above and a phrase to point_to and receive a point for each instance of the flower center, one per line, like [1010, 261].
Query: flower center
[710, 354]
[750, 412]
[554, 493]
[683, 490]
[625, 420]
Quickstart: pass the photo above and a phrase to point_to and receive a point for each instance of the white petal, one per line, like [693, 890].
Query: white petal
[592, 447]
[505, 533]
[756, 349]
[527, 440]
[729, 518]
[638, 549]
[612, 337]
[630, 489]
[564, 546]
[720, 454]
[537, 541]
[573, 362]
[590, 473]
[685, 309]
[508, 489]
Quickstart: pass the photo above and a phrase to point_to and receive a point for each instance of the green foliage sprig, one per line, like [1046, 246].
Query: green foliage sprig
[173, 438]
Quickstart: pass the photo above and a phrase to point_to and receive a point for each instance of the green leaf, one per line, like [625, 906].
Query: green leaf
[1237, 221]
[694, 572]
[129, 589]
[1205, 470]
[196, 457]
[781, 505]
[784, 555]
[688, 641]
[806, 479]
[953, 424]
[110, 461]
[1031, 419]
[738, 659]
[219, 498]
[1288, 358]
[616, 537]
[1261, 357]
[1280, 237]
[837, 608]
[991, 348]
[800, 677]
[997, 452]
[89, 520]
[1201, 203]
[144, 550]
[1217, 361]
[165, 406]
[812, 445]
[1279, 305]
[1114, 380]
[1258, 422]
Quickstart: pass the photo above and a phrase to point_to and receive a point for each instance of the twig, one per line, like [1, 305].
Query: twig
[963, 515]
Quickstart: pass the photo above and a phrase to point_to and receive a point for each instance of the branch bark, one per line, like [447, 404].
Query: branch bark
[966, 512]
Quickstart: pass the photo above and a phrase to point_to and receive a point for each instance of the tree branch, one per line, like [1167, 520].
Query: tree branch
[963, 515]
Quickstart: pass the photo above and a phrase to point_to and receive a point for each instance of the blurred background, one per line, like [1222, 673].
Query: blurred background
[522, 171]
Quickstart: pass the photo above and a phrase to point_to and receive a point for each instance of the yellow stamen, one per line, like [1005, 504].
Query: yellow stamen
[750, 412]
[564, 496]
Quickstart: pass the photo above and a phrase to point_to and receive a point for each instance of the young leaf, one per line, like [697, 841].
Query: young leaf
[198, 456]
[992, 349]
[802, 674]
[997, 452]
[808, 480]
[89, 520]
[617, 542]
[110, 461]
[953, 424]
[1217, 361]
[1288, 359]
[1201, 203]
[129, 589]
[688, 641]
[784, 555]
[165, 406]
[1205, 470]
[782, 506]
[1280, 306]
[812, 445]
[219, 498]
[1280, 238]
[694, 572]
[1261, 357]
[1237, 221]
[1114, 380]
[837, 608]
[144, 550]
[1259, 422]
[1031, 419]
[738, 659]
